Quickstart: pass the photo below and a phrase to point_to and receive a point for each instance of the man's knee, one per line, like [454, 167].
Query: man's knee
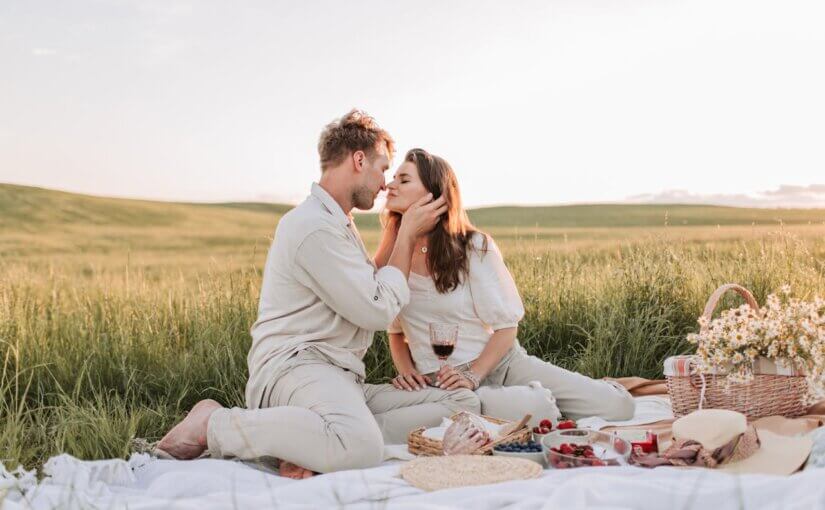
[353, 448]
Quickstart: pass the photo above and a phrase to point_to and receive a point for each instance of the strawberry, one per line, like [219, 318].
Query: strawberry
[566, 424]
[536, 430]
[546, 423]
[566, 449]
[544, 430]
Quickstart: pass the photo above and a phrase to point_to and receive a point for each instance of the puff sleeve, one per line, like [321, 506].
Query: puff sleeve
[495, 296]
[395, 327]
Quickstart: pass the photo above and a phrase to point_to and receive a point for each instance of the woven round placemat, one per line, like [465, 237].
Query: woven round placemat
[435, 473]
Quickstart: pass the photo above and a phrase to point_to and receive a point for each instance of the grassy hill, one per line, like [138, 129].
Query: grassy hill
[36, 221]
[640, 215]
[41, 221]
[23, 207]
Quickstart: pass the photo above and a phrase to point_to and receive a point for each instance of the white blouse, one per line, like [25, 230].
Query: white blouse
[486, 301]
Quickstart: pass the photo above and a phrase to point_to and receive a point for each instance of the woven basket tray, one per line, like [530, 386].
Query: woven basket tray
[765, 395]
[417, 444]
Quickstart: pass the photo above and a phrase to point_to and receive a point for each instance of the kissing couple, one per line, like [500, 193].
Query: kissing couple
[323, 296]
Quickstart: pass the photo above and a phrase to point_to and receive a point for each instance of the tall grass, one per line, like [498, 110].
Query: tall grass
[93, 355]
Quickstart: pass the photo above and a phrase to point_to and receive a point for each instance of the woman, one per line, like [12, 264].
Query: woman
[458, 276]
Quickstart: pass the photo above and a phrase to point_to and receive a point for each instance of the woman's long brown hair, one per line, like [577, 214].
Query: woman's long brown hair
[448, 258]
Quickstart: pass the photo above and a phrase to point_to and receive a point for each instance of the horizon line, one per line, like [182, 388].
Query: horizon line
[627, 201]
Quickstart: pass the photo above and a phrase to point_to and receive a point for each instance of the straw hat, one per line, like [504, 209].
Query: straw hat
[722, 439]
[451, 471]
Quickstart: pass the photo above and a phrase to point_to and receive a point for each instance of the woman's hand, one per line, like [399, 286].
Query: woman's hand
[422, 216]
[410, 380]
[448, 378]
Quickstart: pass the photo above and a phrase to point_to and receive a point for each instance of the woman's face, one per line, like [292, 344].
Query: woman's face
[405, 189]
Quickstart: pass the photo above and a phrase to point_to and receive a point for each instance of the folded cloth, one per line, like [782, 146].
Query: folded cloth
[649, 409]
[640, 387]
[817, 457]
[396, 452]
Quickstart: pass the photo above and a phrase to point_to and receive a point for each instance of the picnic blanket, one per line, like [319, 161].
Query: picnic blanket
[143, 482]
[216, 484]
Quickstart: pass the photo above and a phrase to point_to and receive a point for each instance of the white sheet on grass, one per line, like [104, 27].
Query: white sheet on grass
[143, 483]
[649, 409]
[207, 484]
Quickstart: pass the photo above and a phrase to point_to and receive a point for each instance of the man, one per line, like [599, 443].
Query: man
[321, 300]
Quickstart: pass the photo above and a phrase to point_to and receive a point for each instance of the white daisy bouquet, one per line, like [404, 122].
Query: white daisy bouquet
[787, 330]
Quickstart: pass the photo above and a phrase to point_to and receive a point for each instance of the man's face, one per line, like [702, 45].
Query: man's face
[372, 180]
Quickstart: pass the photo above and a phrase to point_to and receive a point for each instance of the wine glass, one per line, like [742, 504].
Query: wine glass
[442, 339]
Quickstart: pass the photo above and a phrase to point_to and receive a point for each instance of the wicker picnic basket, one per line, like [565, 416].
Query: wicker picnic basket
[418, 444]
[776, 389]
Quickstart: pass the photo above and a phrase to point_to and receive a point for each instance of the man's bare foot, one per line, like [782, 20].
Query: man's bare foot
[294, 471]
[187, 439]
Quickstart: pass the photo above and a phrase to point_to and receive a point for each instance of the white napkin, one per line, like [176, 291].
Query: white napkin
[649, 409]
[438, 432]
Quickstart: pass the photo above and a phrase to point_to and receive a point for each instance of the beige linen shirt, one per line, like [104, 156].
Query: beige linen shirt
[320, 291]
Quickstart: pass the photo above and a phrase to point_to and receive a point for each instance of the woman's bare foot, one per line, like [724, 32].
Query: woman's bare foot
[294, 471]
[187, 439]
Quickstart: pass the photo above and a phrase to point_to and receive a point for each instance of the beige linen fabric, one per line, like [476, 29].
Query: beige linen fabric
[321, 301]
[576, 395]
[486, 301]
[320, 288]
[321, 417]
[513, 402]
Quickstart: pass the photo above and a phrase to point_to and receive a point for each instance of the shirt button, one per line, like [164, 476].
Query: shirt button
[375, 298]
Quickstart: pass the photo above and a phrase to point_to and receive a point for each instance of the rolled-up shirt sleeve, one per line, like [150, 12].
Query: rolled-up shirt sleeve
[495, 295]
[336, 269]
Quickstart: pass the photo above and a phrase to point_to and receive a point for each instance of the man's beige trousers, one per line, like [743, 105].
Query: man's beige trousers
[320, 417]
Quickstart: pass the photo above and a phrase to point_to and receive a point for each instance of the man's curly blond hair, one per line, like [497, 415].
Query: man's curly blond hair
[355, 131]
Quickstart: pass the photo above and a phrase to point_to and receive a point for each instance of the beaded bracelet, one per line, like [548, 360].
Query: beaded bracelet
[472, 377]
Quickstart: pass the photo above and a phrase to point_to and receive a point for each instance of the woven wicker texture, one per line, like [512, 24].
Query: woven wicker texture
[436, 473]
[418, 444]
[766, 395]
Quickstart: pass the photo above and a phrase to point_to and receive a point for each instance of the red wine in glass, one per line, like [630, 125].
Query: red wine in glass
[443, 351]
[442, 339]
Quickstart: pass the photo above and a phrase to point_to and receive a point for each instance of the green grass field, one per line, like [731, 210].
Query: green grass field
[117, 315]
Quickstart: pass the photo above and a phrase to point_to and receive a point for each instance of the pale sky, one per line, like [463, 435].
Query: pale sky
[531, 101]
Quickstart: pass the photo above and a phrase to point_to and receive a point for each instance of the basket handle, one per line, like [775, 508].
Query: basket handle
[713, 301]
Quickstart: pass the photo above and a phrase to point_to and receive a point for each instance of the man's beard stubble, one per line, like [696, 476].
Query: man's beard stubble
[363, 198]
